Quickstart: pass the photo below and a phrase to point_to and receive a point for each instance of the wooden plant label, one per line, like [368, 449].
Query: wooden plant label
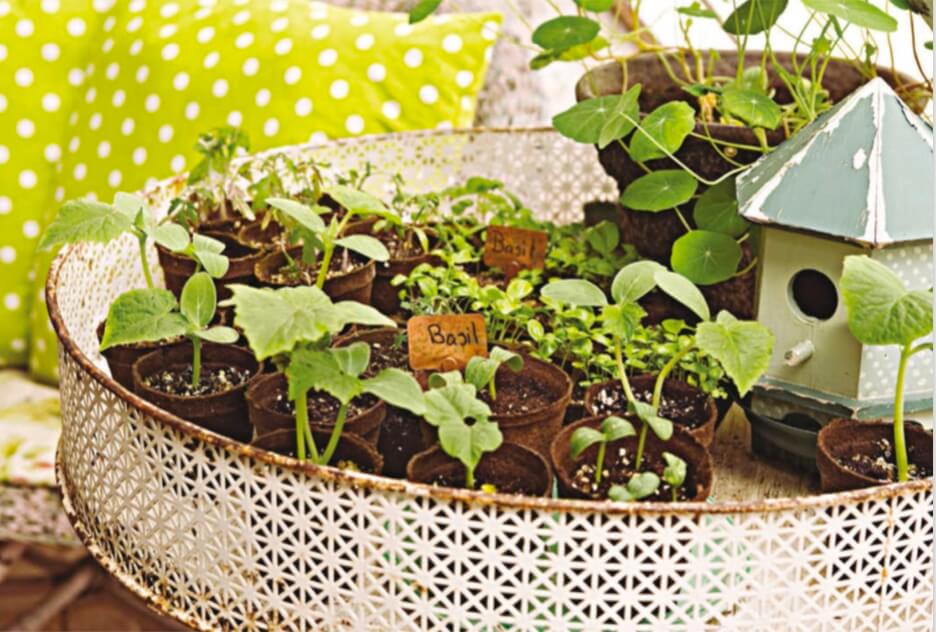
[514, 249]
[445, 343]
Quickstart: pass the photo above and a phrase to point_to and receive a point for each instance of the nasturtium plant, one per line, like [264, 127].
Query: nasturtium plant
[612, 428]
[716, 210]
[882, 311]
[480, 372]
[662, 132]
[706, 257]
[659, 190]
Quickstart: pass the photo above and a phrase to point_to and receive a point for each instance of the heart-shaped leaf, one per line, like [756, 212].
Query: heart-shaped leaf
[659, 190]
[705, 257]
[453, 404]
[352, 359]
[667, 126]
[310, 369]
[143, 316]
[742, 348]
[85, 220]
[622, 320]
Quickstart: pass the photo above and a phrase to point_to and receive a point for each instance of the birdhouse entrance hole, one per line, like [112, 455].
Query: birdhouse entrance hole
[814, 294]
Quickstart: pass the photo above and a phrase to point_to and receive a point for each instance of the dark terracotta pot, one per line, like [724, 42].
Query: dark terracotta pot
[350, 448]
[178, 268]
[120, 359]
[843, 438]
[355, 285]
[682, 444]
[224, 413]
[704, 431]
[511, 468]
[264, 416]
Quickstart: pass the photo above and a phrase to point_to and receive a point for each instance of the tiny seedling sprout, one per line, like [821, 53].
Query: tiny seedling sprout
[612, 428]
[482, 372]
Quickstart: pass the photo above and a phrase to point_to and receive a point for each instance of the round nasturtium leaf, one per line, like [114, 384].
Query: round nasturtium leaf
[668, 125]
[716, 210]
[705, 257]
[754, 108]
[565, 32]
[584, 121]
[659, 191]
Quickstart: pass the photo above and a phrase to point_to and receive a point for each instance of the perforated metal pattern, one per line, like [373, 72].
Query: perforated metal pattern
[34, 514]
[223, 537]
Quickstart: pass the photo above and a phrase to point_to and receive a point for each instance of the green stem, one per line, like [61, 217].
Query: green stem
[335, 435]
[469, 477]
[664, 373]
[302, 429]
[900, 446]
[196, 361]
[324, 264]
[622, 374]
[492, 388]
[599, 462]
[144, 262]
[641, 442]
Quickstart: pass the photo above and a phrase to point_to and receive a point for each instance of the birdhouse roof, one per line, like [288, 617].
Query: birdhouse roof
[863, 171]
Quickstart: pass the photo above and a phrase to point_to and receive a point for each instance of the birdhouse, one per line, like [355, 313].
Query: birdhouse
[858, 180]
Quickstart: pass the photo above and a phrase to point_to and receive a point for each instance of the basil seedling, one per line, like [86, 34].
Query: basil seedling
[481, 372]
[612, 429]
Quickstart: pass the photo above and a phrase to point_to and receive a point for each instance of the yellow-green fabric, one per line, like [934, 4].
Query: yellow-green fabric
[286, 72]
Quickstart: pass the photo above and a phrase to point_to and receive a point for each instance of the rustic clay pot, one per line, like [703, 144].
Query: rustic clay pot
[355, 285]
[120, 359]
[682, 444]
[178, 268]
[255, 236]
[224, 413]
[266, 418]
[704, 432]
[847, 437]
[510, 462]
[386, 297]
[350, 448]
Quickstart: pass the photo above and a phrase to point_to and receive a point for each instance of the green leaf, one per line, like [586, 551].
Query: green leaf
[310, 369]
[146, 315]
[453, 403]
[85, 220]
[881, 310]
[858, 12]
[565, 32]
[352, 359]
[575, 292]
[366, 245]
[695, 10]
[575, 53]
[354, 313]
[662, 428]
[668, 125]
[215, 265]
[469, 443]
[603, 237]
[582, 439]
[480, 371]
[514, 361]
[199, 299]
[634, 281]
[705, 257]
[682, 289]
[716, 210]
[422, 10]
[622, 320]
[754, 108]
[754, 16]
[518, 289]
[584, 121]
[622, 120]
[596, 6]
[171, 236]
[675, 471]
[397, 388]
[220, 335]
[300, 213]
[659, 190]
[204, 243]
[615, 428]
[360, 203]
[742, 348]
[129, 205]
[638, 487]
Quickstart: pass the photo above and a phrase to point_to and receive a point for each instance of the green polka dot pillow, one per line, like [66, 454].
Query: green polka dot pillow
[286, 72]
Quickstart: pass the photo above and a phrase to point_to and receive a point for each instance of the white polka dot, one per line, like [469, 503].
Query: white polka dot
[142, 74]
[3, 52]
[413, 58]
[318, 11]
[241, 17]
[292, 75]
[3, 103]
[50, 52]
[151, 104]
[5, 205]
[4, 154]
[359, 19]
[169, 9]
[354, 124]
[364, 42]
[114, 178]
[25, 28]
[50, 6]
[191, 110]
[136, 47]
[464, 78]
[80, 171]
[165, 133]
[251, 66]
[103, 6]
[203, 13]
[205, 34]
[52, 152]
[23, 77]
[263, 97]
[244, 40]
[75, 76]
[278, 6]
[7, 254]
[177, 163]
[51, 102]
[235, 118]
[31, 228]
[103, 149]
[403, 29]
[279, 25]
[126, 127]
[467, 103]
[321, 31]
[59, 194]
[428, 94]
[211, 59]
[90, 95]
[95, 121]
[18, 344]
[328, 57]
[170, 51]
[11, 301]
[219, 88]
[25, 128]
[391, 109]
[4, 8]
[139, 155]
[451, 43]
[134, 24]
[168, 30]
[180, 81]
[303, 106]
[489, 30]
[339, 89]
[271, 127]
[75, 27]
[119, 97]
[376, 72]
[27, 178]
[74, 144]
[283, 46]
[488, 54]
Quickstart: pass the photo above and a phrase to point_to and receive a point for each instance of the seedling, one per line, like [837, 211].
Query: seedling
[450, 403]
[638, 487]
[213, 174]
[882, 311]
[481, 372]
[674, 473]
[612, 429]
[91, 221]
[153, 314]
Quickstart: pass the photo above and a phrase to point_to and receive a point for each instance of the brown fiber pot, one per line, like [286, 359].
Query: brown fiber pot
[705, 432]
[120, 359]
[510, 465]
[224, 413]
[698, 461]
[355, 285]
[386, 297]
[847, 437]
[266, 419]
[178, 268]
[350, 448]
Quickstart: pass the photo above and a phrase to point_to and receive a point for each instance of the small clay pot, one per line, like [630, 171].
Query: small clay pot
[225, 412]
[672, 388]
[350, 448]
[178, 268]
[120, 359]
[386, 297]
[699, 475]
[255, 236]
[843, 438]
[265, 418]
[354, 285]
[511, 468]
